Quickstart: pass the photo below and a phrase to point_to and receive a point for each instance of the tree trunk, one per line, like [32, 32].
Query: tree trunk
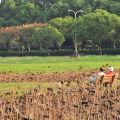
[114, 45]
[29, 49]
[48, 52]
[8, 44]
[100, 49]
[76, 53]
[23, 49]
[58, 47]
[39, 46]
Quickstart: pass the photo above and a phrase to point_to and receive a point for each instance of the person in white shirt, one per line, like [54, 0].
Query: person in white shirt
[101, 72]
[97, 75]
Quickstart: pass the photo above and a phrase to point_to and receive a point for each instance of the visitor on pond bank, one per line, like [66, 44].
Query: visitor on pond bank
[97, 75]
[110, 71]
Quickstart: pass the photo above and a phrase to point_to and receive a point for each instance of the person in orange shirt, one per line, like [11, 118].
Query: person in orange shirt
[110, 71]
[109, 77]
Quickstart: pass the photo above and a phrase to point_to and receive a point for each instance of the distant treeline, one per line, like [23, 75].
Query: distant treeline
[34, 26]
[16, 12]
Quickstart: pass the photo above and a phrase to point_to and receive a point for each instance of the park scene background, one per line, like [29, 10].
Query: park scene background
[49, 49]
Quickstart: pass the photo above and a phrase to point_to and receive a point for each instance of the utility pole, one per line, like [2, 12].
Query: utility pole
[76, 53]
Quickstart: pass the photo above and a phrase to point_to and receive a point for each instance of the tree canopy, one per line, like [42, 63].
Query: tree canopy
[97, 27]
[15, 12]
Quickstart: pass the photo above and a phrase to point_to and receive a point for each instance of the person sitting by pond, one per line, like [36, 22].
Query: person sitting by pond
[101, 72]
[96, 75]
[110, 70]
[109, 77]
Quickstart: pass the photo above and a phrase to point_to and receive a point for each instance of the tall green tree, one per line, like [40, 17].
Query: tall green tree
[48, 37]
[98, 25]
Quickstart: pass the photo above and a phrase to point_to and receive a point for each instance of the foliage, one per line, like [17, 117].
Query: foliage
[15, 12]
[10, 36]
[47, 37]
[98, 27]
